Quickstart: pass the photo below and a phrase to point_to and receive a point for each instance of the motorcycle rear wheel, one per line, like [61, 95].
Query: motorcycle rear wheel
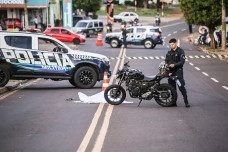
[115, 94]
[167, 95]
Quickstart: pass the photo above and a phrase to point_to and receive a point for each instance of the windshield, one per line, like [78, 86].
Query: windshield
[122, 14]
[81, 24]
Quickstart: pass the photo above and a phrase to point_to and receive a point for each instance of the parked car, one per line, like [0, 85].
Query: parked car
[88, 27]
[25, 55]
[149, 36]
[77, 18]
[12, 23]
[126, 16]
[65, 35]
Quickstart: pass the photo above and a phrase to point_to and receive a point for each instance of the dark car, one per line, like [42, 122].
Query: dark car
[26, 55]
[12, 23]
[65, 35]
[149, 36]
[77, 18]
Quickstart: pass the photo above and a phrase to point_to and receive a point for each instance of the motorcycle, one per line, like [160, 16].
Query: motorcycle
[142, 87]
[199, 40]
[157, 21]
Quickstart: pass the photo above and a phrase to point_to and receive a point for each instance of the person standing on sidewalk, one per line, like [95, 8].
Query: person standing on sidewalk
[35, 20]
[175, 58]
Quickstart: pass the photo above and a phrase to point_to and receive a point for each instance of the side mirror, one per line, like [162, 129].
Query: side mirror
[64, 50]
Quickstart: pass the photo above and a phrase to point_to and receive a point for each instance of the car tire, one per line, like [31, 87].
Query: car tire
[85, 77]
[114, 43]
[72, 82]
[154, 45]
[148, 44]
[120, 20]
[4, 75]
[76, 41]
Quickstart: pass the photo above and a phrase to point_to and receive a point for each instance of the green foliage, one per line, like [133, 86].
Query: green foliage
[87, 5]
[200, 12]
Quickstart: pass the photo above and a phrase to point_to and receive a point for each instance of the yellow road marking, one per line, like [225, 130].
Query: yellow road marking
[90, 131]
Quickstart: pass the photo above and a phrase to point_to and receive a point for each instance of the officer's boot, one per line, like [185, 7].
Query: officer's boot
[186, 102]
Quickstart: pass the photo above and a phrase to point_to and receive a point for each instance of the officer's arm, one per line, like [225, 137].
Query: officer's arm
[182, 59]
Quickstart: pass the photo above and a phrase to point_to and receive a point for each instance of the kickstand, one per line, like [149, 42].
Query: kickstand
[140, 102]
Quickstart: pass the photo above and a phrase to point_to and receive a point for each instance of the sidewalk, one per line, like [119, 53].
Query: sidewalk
[12, 84]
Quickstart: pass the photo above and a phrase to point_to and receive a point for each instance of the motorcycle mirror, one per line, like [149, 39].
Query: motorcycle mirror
[126, 64]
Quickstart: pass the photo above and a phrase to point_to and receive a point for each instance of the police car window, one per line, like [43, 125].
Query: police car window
[154, 30]
[130, 30]
[132, 14]
[90, 25]
[55, 31]
[126, 15]
[81, 24]
[95, 24]
[140, 30]
[101, 24]
[46, 44]
[24, 42]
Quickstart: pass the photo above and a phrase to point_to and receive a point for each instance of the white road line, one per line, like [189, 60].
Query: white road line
[169, 35]
[191, 64]
[165, 37]
[205, 73]
[167, 46]
[175, 32]
[197, 68]
[183, 30]
[214, 80]
[225, 87]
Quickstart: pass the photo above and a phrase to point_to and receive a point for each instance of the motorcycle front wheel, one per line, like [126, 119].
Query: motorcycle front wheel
[167, 95]
[115, 94]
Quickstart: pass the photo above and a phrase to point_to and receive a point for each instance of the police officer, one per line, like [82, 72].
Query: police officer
[124, 34]
[175, 58]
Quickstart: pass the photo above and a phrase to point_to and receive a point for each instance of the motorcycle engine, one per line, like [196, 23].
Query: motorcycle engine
[134, 88]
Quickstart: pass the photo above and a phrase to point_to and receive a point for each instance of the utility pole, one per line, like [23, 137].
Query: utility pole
[26, 14]
[223, 25]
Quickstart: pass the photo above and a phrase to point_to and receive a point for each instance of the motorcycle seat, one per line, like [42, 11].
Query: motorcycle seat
[150, 78]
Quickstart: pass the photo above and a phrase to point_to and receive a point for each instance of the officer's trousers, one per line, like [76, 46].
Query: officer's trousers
[180, 77]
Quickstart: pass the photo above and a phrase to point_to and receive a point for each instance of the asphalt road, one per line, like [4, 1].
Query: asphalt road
[38, 118]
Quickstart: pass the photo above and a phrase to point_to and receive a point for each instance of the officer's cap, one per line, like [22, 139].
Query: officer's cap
[173, 40]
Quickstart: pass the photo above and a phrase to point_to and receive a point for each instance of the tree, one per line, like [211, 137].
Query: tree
[26, 14]
[88, 5]
[207, 13]
[223, 25]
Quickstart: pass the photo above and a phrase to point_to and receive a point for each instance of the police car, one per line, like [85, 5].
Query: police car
[149, 36]
[26, 55]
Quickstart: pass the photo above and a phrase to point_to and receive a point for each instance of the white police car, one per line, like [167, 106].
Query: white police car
[149, 36]
[26, 55]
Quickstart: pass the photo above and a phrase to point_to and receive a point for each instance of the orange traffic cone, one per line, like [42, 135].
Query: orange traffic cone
[99, 39]
[105, 81]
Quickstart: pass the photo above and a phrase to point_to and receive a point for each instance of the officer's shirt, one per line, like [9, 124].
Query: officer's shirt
[176, 57]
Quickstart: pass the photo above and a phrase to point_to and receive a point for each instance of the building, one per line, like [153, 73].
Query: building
[15, 9]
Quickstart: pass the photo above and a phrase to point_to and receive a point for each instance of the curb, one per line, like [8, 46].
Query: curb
[11, 86]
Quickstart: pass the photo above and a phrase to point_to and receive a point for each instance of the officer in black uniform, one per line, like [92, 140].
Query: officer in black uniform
[124, 34]
[175, 58]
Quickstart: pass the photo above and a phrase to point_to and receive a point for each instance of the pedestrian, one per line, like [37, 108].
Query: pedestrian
[205, 36]
[110, 25]
[219, 36]
[35, 20]
[175, 58]
[124, 34]
[0, 26]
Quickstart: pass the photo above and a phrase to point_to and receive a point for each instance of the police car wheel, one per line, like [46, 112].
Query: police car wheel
[114, 43]
[154, 45]
[72, 82]
[148, 44]
[85, 77]
[76, 41]
[4, 76]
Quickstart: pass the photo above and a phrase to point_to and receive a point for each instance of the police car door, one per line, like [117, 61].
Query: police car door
[50, 60]
[18, 53]
[140, 35]
[130, 35]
